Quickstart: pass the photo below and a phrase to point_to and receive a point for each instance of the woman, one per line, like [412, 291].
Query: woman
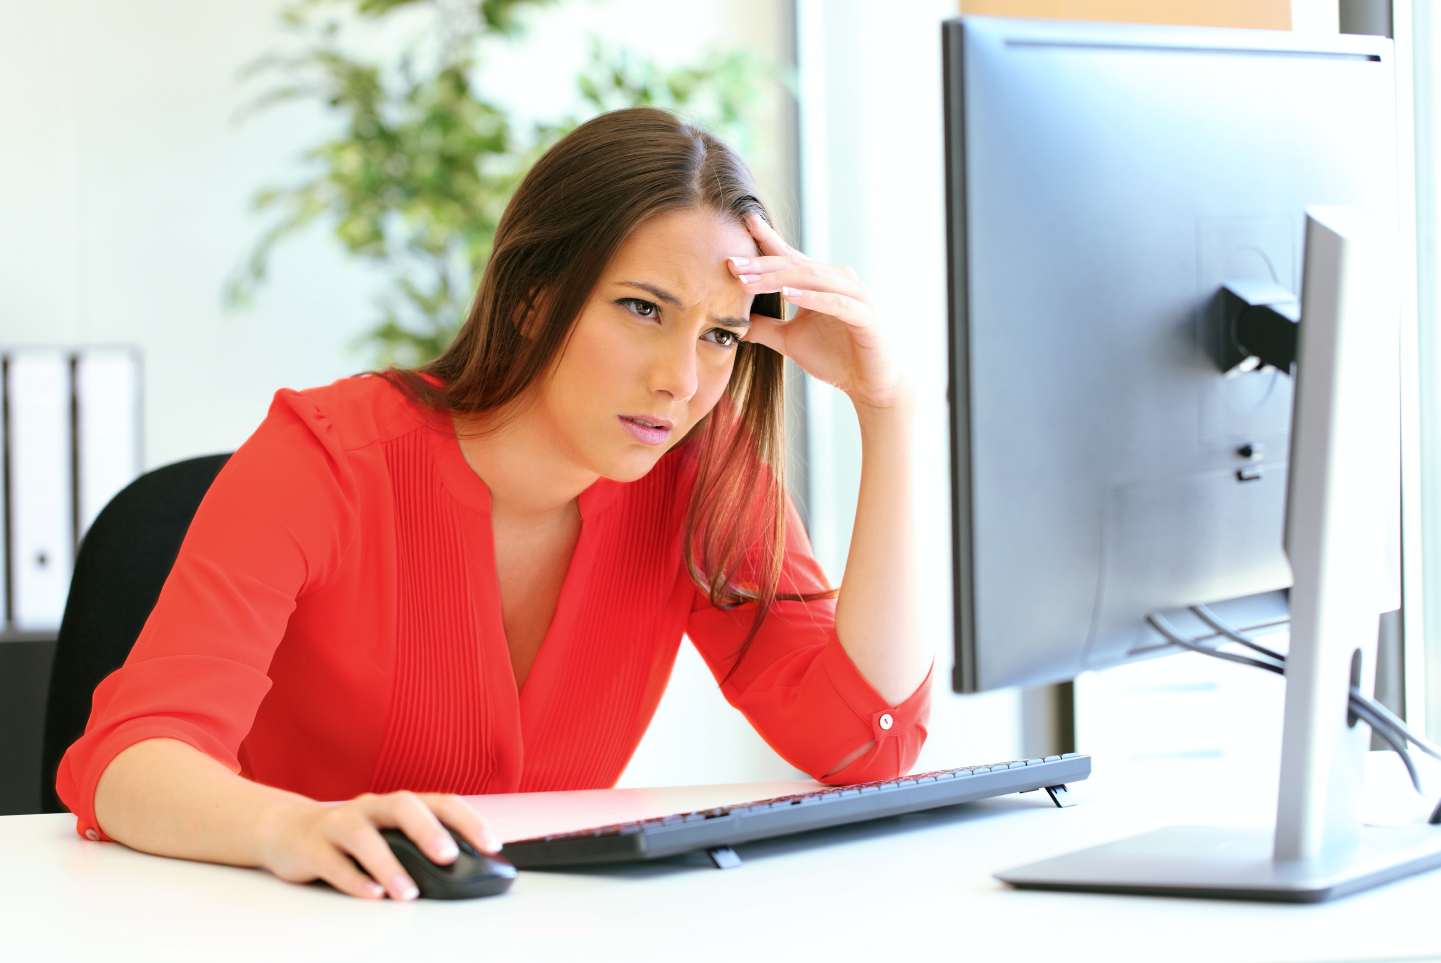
[474, 577]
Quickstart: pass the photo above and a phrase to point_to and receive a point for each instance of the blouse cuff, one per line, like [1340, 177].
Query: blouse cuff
[78, 791]
[193, 684]
[898, 731]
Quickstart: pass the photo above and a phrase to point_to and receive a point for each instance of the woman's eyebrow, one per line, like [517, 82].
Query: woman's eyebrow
[661, 294]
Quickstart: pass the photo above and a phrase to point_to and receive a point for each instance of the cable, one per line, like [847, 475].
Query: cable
[1396, 740]
[1160, 624]
[1391, 728]
[1425, 745]
[1386, 724]
[1204, 613]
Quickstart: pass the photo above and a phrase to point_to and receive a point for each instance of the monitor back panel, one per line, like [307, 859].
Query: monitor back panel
[1103, 181]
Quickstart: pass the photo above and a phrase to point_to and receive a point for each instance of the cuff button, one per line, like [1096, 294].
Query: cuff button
[886, 720]
[92, 835]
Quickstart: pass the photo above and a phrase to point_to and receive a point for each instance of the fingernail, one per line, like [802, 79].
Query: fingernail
[445, 847]
[740, 261]
[790, 293]
[493, 843]
[403, 888]
[750, 278]
[373, 890]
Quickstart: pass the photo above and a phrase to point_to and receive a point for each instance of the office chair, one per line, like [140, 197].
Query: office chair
[122, 564]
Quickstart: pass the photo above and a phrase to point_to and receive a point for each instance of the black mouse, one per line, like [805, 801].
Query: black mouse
[472, 874]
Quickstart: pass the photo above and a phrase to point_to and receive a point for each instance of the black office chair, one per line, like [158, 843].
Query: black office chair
[122, 564]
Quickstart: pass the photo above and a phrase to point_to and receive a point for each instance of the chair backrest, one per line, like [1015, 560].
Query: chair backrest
[122, 564]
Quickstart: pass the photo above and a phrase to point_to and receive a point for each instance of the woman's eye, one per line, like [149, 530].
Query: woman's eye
[722, 337]
[646, 309]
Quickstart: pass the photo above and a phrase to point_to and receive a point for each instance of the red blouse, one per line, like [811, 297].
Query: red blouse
[332, 626]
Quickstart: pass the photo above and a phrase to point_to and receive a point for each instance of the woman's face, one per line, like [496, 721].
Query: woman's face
[653, 348]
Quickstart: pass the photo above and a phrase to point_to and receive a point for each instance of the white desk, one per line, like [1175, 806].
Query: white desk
[879, 892]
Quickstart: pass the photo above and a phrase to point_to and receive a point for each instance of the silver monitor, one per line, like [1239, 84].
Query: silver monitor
[1104, 182]
[1345, 463]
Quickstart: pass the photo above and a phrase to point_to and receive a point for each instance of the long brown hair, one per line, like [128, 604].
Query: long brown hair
[572, 212]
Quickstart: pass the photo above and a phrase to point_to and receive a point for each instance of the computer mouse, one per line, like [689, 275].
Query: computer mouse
[472, 874]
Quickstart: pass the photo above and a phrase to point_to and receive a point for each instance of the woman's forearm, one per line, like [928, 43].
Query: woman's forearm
[163, 796]
[876, 612]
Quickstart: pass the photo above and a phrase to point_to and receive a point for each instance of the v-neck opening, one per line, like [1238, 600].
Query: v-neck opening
[470, 490]
[576, 572]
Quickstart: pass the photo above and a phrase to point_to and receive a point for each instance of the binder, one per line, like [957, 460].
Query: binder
[107, 427]
[38, 436]
[71, 441]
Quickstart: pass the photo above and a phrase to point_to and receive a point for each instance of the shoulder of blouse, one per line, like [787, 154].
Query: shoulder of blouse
[359, 411]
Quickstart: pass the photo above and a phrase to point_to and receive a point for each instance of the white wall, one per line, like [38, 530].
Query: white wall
[124, 187]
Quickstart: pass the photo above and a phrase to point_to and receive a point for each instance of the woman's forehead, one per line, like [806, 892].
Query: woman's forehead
[708, 235]
[683, 257]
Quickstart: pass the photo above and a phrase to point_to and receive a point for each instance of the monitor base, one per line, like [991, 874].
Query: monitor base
[1215, 862]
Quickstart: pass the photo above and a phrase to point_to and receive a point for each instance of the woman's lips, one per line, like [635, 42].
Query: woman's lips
[647, 431]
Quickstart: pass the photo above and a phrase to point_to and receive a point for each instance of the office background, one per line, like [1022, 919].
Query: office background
[126, 177]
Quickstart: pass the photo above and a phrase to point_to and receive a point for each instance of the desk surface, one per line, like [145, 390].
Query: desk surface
[879, 891]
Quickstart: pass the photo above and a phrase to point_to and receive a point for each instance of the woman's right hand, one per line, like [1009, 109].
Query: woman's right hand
[302, 840]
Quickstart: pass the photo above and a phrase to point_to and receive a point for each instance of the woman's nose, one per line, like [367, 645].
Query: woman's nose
[673, 369]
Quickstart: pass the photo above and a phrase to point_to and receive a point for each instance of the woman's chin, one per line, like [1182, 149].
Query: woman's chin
[631, 465]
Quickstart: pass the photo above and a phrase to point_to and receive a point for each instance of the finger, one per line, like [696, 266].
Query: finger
[766, 237]
[839, 306]
[340, 871]
[766, 331]
[407, 812]
[804, 279]
[457, 814]
[764, 264]
[355, 835]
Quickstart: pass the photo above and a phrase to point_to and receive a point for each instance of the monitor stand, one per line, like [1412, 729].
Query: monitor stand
[1217, 862]
[1344, 475]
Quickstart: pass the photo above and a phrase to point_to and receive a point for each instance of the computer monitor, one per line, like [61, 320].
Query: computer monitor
[1125, 208]
[1104, 182]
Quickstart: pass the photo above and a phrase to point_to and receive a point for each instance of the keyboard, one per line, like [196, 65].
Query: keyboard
[716, 830]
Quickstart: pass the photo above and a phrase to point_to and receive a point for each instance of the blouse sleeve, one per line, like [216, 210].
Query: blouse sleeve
[797, 686]
[273, 525]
